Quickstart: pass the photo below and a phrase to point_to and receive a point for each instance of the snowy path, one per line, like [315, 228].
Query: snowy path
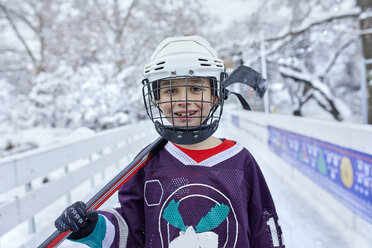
[303, 224]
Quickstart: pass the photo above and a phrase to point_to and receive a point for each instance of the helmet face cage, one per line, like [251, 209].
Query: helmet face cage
[185, 109]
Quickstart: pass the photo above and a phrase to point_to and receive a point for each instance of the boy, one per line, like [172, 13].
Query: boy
[199, 191]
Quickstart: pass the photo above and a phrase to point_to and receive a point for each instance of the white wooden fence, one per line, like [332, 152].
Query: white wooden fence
[31, 181]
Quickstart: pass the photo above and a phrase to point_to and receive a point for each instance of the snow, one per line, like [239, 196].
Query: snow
[366, 14]
[229, 11]
[313, 109]
[309, 78]
[321, 17]
[38, 137]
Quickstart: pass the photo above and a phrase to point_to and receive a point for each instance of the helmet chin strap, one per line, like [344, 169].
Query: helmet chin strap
[186, 136]
[243, 102]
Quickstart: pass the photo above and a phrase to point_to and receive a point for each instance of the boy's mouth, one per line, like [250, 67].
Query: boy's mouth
[184, 114]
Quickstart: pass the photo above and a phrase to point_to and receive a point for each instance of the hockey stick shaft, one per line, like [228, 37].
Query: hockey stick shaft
[110, 188]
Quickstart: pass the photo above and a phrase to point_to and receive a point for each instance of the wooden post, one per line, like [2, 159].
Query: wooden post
[92, 180]
[68, 195]
[31, 222]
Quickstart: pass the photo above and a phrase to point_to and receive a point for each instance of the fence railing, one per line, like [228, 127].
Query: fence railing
[33, 180]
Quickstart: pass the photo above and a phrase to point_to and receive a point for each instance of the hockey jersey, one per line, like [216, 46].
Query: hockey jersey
[174, 201]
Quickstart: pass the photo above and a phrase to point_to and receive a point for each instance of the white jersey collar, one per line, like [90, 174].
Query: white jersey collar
[209, 162]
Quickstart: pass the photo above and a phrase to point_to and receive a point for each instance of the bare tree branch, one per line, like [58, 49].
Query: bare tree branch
[24, 19]
[129, 13]
[103, 15]
[301, 30]
[15, 29]
[310, 10]
[288, 37]
[336, 55]
[121, 25]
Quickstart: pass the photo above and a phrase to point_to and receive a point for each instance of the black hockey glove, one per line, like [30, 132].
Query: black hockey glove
[78, 220]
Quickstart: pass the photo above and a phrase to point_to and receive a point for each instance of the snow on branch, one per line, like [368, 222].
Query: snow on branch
[288, 36]
[366, 14]
[307, 25]
[320, 92]
[308, 78]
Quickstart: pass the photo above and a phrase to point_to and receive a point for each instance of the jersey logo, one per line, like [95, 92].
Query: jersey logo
[200, 236]
[197, 215]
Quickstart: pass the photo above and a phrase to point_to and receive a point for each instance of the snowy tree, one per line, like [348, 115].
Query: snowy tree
[80, 63]
[34, 23]
[312, 62]
[71, 64]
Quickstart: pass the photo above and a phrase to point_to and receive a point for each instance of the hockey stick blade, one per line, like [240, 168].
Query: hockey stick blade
[111, 187]
[246, 75]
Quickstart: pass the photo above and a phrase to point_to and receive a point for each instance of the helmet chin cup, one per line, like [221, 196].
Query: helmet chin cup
[186, 136]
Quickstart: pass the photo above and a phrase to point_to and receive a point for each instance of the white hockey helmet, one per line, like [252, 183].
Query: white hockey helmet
[184, 57]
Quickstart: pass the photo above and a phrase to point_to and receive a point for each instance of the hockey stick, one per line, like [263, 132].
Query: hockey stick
[110, 188]
[245, 75]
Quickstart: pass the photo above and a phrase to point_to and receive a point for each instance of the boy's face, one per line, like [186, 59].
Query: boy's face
[190, 111]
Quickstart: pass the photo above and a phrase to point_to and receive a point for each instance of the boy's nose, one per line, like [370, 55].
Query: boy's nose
[182, 97]
[182, 101]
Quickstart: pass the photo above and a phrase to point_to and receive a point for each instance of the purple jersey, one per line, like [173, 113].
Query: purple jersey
[173, 201]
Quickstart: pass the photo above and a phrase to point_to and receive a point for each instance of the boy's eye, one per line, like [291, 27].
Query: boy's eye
[196, 89]
[174, 90]
[169, 90]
